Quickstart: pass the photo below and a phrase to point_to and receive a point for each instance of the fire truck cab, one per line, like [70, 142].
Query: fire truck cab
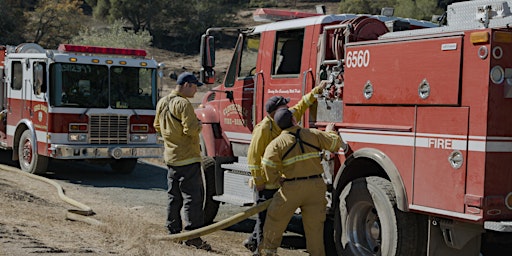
[424, 108]
[78, 103]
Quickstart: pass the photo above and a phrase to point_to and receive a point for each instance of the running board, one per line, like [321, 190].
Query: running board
[237, 184]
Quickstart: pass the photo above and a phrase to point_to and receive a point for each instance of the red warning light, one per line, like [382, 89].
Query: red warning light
[102, 50]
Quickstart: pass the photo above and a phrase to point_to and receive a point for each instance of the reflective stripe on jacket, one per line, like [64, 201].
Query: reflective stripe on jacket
[297, 163]
[266, 130]
[178, 125]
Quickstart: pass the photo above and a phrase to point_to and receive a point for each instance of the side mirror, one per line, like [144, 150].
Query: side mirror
[207, 51]
[38, 78]
[207, 54]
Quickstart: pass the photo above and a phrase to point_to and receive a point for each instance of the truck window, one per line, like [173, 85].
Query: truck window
[17, 75]
[131, 87]
[39, 72]
[288, 52]
[78, 85]
[249, 56]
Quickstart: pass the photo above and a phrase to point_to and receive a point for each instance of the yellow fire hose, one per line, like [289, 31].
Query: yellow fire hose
[82, 214]
[218, 225]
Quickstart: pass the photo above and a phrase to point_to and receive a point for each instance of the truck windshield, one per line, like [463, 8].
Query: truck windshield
[96, 86]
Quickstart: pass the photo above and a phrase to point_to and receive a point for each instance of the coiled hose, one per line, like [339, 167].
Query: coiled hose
[218, 225]
[83, 212]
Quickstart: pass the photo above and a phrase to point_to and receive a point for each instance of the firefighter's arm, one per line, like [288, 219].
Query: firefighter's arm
[330, 139]
[191, 125]
[254, 154]
[156, 122]
[308, 100]
[271, 164]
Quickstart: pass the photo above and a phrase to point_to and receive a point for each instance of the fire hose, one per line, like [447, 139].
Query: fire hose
[83, 212]
[216, 226]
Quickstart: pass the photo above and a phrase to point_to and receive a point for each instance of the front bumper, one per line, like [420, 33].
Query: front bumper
[90, 151]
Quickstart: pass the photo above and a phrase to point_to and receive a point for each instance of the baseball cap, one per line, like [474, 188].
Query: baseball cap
[284, 118]
[274, 102]
[188, 77]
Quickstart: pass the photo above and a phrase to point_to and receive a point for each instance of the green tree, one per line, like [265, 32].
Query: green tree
[418, 9]
[115, 36]
[54, 22]
[364, 6]
[11, 24]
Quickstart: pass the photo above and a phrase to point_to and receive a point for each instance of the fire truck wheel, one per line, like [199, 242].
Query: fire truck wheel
[29, 160]
[124, 166]
[211, 207]
[369, 223]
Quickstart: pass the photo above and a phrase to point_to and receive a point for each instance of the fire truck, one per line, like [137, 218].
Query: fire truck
[78, 102]
[425, 108]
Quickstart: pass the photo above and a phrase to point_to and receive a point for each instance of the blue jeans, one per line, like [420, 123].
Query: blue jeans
[185, 190]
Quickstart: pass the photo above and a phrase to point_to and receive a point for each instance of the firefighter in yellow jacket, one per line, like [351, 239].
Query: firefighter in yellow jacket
[293, 159]
[179, 127]
[264, 132]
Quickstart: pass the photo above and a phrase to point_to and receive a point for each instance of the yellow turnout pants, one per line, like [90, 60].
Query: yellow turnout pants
[309, 196]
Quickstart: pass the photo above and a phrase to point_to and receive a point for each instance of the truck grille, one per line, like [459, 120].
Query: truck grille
[108, 129]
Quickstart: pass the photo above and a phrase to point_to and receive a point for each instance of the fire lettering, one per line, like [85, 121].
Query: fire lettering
[439, 143]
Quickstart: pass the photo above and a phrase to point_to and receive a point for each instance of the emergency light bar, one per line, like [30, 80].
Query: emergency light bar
[102, 50]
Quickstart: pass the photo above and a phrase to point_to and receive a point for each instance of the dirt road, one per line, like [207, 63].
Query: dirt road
[132, 207]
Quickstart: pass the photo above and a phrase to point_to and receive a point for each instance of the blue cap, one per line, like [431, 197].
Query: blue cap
[274, 102]
[187, 77]
[284, 118]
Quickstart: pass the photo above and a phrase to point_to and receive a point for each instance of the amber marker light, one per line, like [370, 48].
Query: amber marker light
[72, 59]
[479, 37]
[140, 128]
[502, 37]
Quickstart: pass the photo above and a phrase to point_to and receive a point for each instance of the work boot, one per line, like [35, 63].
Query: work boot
[251, 245]
[199, 244]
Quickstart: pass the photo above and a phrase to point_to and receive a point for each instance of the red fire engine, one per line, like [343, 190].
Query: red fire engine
[425, 109]
[78, 103]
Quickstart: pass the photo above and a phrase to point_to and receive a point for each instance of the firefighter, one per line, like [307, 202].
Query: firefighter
[293, 159]
[179, 127]
[264, 132]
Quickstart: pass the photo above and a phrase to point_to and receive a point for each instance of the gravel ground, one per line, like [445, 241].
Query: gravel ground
[131, 207]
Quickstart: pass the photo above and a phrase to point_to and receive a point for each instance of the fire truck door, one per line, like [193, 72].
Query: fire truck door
[17, 92]
[284, 73]
[441, 143]
[236, 115]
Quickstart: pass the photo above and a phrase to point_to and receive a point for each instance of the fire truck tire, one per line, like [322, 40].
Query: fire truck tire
[211, 206]
[123, 166]
[29, 160]
[368, 221]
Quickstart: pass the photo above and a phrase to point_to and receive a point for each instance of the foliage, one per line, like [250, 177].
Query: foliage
[364, 6]
[54, 21]
[180, 22]
[115, 36]
[11, 19]
[418, 9]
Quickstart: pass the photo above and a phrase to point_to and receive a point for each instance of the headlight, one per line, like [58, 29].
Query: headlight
[139, 138]
[77, 137]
